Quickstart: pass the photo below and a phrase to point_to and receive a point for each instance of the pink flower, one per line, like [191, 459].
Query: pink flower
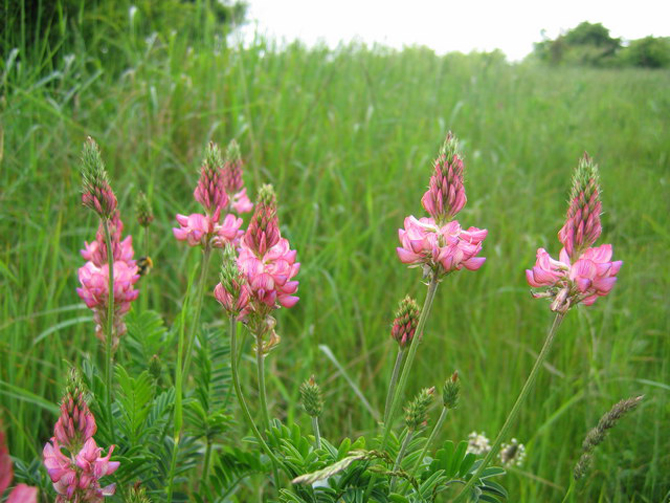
[96, 193]
[241, 203]
[94, 292]
[96, 252]
[201, 230]
[270, 275]
[591, 276]
[263, 231]
[443, 248]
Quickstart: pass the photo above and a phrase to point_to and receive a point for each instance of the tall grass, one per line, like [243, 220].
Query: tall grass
[347, 138]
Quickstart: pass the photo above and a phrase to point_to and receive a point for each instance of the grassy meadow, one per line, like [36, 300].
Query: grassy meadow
[347, 138]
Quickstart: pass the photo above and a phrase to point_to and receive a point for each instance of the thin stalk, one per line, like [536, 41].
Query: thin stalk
[243, 402]
[198, 308]
[208, 458]
[393, 383]
[433, 434]
[530, 381]
[413, 346]
[178, 412]
[401, 454]
[262, 394]
[571, 489]
[317, 433]
[109, 357]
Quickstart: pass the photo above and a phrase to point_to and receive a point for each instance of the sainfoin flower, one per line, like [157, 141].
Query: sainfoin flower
[122, 249]
[210, 229]
[72, 458]
[438, 243]
[443, 248]
[21, 493]
[582, 273]
[405, 322]
[97, 194]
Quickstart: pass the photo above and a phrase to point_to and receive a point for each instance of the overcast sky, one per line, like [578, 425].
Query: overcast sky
[464, 25]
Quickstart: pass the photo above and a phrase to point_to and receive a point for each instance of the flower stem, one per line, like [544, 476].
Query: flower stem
[262, 394]
[178, 412]
[198, 308]
[571, 489]
[393, 383]
[413, 346]
[243, 402]
[530, 381]
[401, 454]
[317, 433]
[109, 357]
[433, 434]
[208, 457]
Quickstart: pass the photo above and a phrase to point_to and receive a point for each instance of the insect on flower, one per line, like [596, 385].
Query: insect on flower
[144, 266]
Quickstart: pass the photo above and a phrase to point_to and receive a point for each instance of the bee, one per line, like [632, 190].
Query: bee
[144, 265]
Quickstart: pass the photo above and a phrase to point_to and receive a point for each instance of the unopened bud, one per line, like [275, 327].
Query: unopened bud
[405, 322]
[263, 231]
[312, 400]
[451, 391]
[416, 413]
[97, 194]
[144, 213]
[210, 191]
[232, 168]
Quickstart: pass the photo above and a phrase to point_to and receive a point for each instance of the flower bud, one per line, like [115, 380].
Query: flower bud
[210, 191]
[451, 391]
[446, 194]
[232, 169]
[312, 400]
[97, 194]
[145, 215]
[405, 322]
[263, 231]
[416, 413]
[233, 290]
[582, 226]
[76, 423]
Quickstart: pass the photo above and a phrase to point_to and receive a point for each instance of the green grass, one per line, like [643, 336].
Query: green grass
[347, 138]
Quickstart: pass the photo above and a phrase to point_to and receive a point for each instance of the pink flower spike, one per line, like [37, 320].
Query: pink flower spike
[210, 191]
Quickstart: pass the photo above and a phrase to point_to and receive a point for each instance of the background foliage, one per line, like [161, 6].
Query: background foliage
[347, 138]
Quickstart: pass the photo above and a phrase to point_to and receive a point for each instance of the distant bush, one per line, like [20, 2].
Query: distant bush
[648, 52]
[590, 44]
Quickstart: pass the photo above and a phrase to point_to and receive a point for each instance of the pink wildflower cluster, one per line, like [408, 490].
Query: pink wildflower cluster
[21, 493]
[261, 278]
[94, 278]
[219, 190]
[438, 243]
[582, 273]
[72, 458]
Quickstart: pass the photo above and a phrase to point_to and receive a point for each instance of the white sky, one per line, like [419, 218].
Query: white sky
[452, 25]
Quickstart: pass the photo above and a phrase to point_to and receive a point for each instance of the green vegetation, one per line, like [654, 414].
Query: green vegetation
[347, 137]
[590, 44]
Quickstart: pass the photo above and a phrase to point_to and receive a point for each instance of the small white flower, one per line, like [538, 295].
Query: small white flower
[478, 443]
[512, 454]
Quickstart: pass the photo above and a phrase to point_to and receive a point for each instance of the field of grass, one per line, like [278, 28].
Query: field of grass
[347, 138]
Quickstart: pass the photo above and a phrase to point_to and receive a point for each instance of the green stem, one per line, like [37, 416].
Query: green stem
[260, 368]
[393, 383]
[566, 498]
[109, 360]
[243, 402]
[317, 433]
[530, 381]
[208, 457]
[198, 308]
[401, 454]
[433, 434]
[413, 346]
[178, 412]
